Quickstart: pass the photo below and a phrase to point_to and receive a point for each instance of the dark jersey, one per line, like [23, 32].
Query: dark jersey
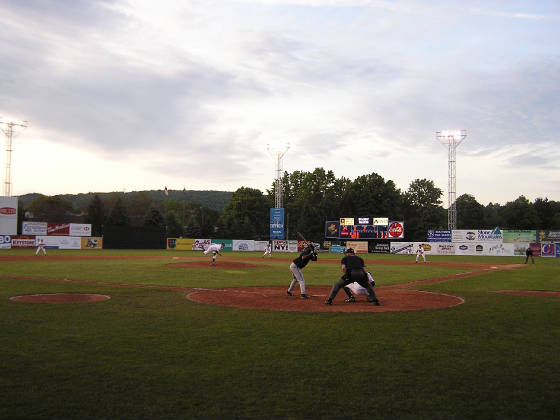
[304, 258]
[352, 262]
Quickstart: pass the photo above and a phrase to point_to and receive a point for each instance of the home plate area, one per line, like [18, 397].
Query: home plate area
[276, 299]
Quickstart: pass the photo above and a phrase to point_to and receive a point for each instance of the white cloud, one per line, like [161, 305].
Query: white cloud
[193, 92]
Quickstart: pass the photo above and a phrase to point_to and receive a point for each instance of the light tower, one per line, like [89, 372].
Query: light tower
[279, 154]
[7, 126]
[452, 138]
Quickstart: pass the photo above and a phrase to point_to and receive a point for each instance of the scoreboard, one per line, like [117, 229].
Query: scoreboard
[369, 228]
[363, 232]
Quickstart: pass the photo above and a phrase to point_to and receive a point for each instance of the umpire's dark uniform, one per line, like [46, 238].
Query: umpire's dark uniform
[354, 272]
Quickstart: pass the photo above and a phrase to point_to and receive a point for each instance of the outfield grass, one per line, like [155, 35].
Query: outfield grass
[150, 353]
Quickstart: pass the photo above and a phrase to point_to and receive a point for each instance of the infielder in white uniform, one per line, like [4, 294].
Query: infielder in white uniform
[215, 250]
[420, 253]
[268, 251]
[40, 247]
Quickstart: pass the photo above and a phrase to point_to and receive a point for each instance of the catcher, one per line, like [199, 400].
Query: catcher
[354, 270]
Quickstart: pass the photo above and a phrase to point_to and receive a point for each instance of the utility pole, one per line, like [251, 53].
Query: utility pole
[451, 138]
[279, 154]
[7, 126]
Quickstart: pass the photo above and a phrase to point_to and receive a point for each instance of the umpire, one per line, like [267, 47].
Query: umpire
[354, 270]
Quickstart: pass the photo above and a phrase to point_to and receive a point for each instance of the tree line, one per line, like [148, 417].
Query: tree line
[310, 199]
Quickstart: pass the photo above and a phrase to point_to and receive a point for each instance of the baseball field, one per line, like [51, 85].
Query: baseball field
[164, 335]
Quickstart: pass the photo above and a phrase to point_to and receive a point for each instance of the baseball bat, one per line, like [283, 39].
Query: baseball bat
[301, 237]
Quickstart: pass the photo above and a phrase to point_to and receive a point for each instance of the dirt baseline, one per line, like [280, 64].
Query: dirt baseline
[276, 299]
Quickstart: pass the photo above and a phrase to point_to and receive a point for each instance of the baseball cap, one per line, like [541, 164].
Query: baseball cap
[349, 251]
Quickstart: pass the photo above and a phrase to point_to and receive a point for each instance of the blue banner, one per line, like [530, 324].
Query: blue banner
[276, 223]
[439, 236]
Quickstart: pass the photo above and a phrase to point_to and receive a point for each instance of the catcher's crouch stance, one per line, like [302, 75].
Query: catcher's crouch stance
[354, 271]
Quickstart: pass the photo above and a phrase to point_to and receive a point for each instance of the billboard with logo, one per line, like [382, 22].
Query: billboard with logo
[550, 249]
[34, 228]
[277, 223]
[521, 236]
[462, 235]
[439, 236]
[8, 215]
[548, 236]
[395, 230]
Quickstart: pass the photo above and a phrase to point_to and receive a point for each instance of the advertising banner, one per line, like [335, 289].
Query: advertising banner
[337, 249]
[494, 235]
[277, 223]
[395, 230]
[58, 229]
[228, 243]
[34, 228]
[260, 245]
[360, 247]
[8, 215]
[200, 244]
[23, 241]
[60, 242]
[381, 248]
[80, 229]
[439, 236]
[180, 244]
[242, 245]
[550, 249]
[523, 236]
[443, 248]
[499, 249]
[5, 242]
[461, 235]
[402, 247]
[93, 242]
[519, 248]
[548, 236]
[284, 246]
[464, 248]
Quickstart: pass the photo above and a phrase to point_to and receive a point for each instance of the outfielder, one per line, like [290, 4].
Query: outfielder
[215, 250]
[40, 247]
[308, 254]
[268, 251]
[354, 270]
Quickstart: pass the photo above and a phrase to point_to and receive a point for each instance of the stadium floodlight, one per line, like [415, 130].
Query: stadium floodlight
[278, 155]
[451, 138]
[7, 126]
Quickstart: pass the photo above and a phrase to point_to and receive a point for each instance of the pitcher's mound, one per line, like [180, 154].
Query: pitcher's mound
[60, 298]
[276, 299]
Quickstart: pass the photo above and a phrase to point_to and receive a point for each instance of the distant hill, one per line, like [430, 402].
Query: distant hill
[216, 200]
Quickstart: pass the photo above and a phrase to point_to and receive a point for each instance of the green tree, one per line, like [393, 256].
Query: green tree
[153, 218]
[119, 214]
[51, 209]
[470, 212]
[370, 195]
[422, 207]
[95, 215]
[174, 225]
[137, 204]
[246, 215]
[548, 213]
[520, 214]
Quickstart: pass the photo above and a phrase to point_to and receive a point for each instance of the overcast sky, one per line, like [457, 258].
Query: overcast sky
[203, 95]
